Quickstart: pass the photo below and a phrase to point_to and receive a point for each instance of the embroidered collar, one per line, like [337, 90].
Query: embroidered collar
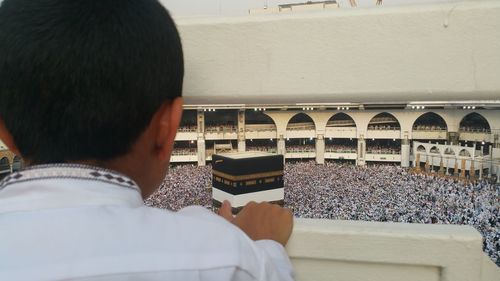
[68, 171]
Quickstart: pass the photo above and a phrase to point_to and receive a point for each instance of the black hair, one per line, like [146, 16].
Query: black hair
[81, 79]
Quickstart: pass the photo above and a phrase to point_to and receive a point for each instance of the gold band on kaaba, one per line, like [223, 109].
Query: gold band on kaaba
[247, 177]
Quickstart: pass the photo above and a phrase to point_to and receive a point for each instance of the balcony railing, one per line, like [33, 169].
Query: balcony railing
[323, 250]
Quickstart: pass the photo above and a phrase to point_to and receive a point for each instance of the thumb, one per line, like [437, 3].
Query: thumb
[225, 211]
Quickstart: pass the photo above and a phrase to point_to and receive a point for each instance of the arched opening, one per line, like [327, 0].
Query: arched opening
[464, 153]
[474, 122]
[434, 149]
[341, 120]
[217, 121]
[430, 121]
[300, 134]
[342, 139]
[253, 117]
[17, 164]
[188, 121]
[421, 148]
[384, 121]
[186, 145]
[388, 142]
[475, 130]
[261, 132]
[300, 122]
[4, 167]
[430, 127]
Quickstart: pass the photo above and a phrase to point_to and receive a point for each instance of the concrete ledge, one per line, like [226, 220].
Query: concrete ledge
[355, 250]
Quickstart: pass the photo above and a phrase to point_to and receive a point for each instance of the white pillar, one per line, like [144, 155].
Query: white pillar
[241, 131]
[201, 138]
[320, 149]
[360, 161]
[281, 149]
[405, 153]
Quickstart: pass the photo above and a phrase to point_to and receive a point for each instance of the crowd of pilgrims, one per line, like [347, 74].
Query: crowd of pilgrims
[370, 193]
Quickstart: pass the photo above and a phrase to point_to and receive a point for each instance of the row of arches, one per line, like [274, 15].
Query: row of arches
[427, 121]
[448, 151]
[5, 165]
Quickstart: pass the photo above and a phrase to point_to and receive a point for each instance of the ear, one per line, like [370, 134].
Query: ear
[7, 138]
[169, 116]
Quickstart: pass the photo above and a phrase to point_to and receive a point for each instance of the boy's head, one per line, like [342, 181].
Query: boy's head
[81, 80]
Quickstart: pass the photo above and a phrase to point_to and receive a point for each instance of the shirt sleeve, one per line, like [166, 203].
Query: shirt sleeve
[263, 260]
[278, 266]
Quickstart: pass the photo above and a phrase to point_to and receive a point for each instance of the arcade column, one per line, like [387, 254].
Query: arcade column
[281, 145]
[462, 171]
[360, 160]
[453, 138]
[441, 166]
[405, 152]
[200, 130]
[320, 149]
[472, 170]
[241, 131]
[498, 173]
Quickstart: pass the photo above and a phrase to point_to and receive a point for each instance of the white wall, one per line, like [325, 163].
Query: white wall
[418, 53]
[355, 250]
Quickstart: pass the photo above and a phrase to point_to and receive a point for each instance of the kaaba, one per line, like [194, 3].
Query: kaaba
[242, 177]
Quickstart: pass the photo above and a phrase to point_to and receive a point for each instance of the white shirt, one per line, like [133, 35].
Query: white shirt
[61, 222]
